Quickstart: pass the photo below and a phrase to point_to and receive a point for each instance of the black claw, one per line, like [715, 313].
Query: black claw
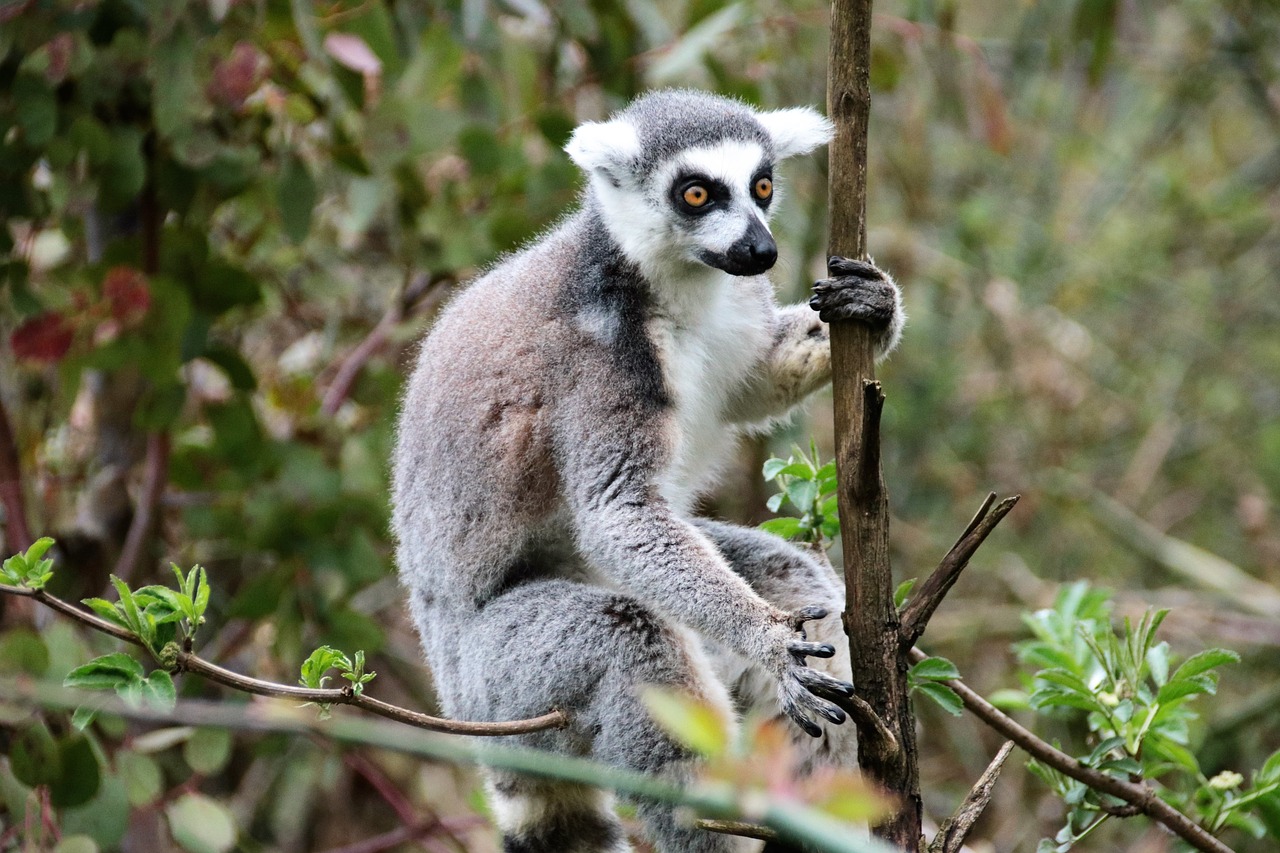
[808, 726]
[833, 714]
[817, 650]
[808, 614]
[821, 684]
[838, 266]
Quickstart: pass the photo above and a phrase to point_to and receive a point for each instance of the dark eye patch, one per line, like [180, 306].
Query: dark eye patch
[717, 192]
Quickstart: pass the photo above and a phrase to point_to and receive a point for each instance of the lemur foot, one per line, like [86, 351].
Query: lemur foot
[804, 691]
[856, 291]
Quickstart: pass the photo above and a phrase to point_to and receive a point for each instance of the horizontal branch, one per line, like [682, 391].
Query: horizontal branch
[739, 828]
[1139, 795]
[792, 821]
[925, 600]
[190, 662]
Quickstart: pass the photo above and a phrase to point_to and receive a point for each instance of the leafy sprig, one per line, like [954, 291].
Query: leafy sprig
[808, 485]
[316, 667]
[1135, 704]
[30, 569]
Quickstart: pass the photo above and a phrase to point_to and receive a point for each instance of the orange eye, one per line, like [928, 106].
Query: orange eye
[763, 188]
[696, 196]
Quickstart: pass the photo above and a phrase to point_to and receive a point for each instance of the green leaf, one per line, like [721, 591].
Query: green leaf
[106, 672]
[773, 466]
[1010, 700]
[132, 616]
[1270, 771]
[201, 825]
[1203, 662]
[296, 196]
[694, 723]
[318, 663]
[83, 717]
[141, 776]
[38, 549]
[802, 493]
[79, 773]
[946, 698]
[23, 651]
[34, 757]
[1158, 662]
[934, 669]
[786, 527]
[208, 750]
[904, 589]
[1055, 697]
[775, 502]
[107, 610]
[1180, 688]
[160, 690]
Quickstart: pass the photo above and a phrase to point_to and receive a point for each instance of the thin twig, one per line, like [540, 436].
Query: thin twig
[190, 662]
[147, 508]
[922, 604]
[955, 829]
[1140, 795]
[390, 839]
[869, 722]
[739, 828]
[17, 533]
[980, 514]
[407, 302]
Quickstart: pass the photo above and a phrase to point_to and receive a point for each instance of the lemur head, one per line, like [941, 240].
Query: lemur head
[684, 177]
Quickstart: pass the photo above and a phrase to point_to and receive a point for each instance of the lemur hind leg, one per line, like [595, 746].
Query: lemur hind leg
[557, 643]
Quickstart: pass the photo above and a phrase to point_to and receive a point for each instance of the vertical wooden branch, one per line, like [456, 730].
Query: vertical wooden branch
[871, 621]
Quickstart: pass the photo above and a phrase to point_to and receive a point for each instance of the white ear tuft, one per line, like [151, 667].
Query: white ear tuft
[609, 146]
[798, 130]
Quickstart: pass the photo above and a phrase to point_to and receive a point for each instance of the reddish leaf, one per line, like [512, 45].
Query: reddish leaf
[61, 49]
[127, 293]
[45, 338]
[238, 76]
[353, 52]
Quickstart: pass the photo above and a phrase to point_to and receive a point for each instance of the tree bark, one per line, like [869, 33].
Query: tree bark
[870, 619]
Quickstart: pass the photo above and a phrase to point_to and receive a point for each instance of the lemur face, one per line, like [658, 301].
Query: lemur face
[716, 201]
[686, 179]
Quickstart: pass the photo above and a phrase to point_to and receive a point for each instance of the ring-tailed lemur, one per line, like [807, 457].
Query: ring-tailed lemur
[567, 409]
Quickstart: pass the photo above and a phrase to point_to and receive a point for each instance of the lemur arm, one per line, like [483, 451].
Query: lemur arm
[800, 360]
[628, 531]
[798, 363]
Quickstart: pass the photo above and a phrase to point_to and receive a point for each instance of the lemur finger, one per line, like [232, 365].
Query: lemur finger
[808, 614]
[822, 707]
[838, 266]
[798, 717]
[821, 684]
[799, 648]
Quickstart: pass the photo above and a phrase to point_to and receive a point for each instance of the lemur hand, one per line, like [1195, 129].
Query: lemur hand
[800, 688]
[859, 291]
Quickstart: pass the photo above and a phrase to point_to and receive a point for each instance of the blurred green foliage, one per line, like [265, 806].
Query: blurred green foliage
[226, 220]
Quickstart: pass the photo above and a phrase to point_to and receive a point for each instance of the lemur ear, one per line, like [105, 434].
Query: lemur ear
[606, 146]
[798, 130]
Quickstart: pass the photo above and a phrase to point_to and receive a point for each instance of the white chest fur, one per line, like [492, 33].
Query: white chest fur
[711, 336]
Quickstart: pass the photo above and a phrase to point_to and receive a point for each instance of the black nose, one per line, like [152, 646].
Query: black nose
[754, 253]
[763, 252]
